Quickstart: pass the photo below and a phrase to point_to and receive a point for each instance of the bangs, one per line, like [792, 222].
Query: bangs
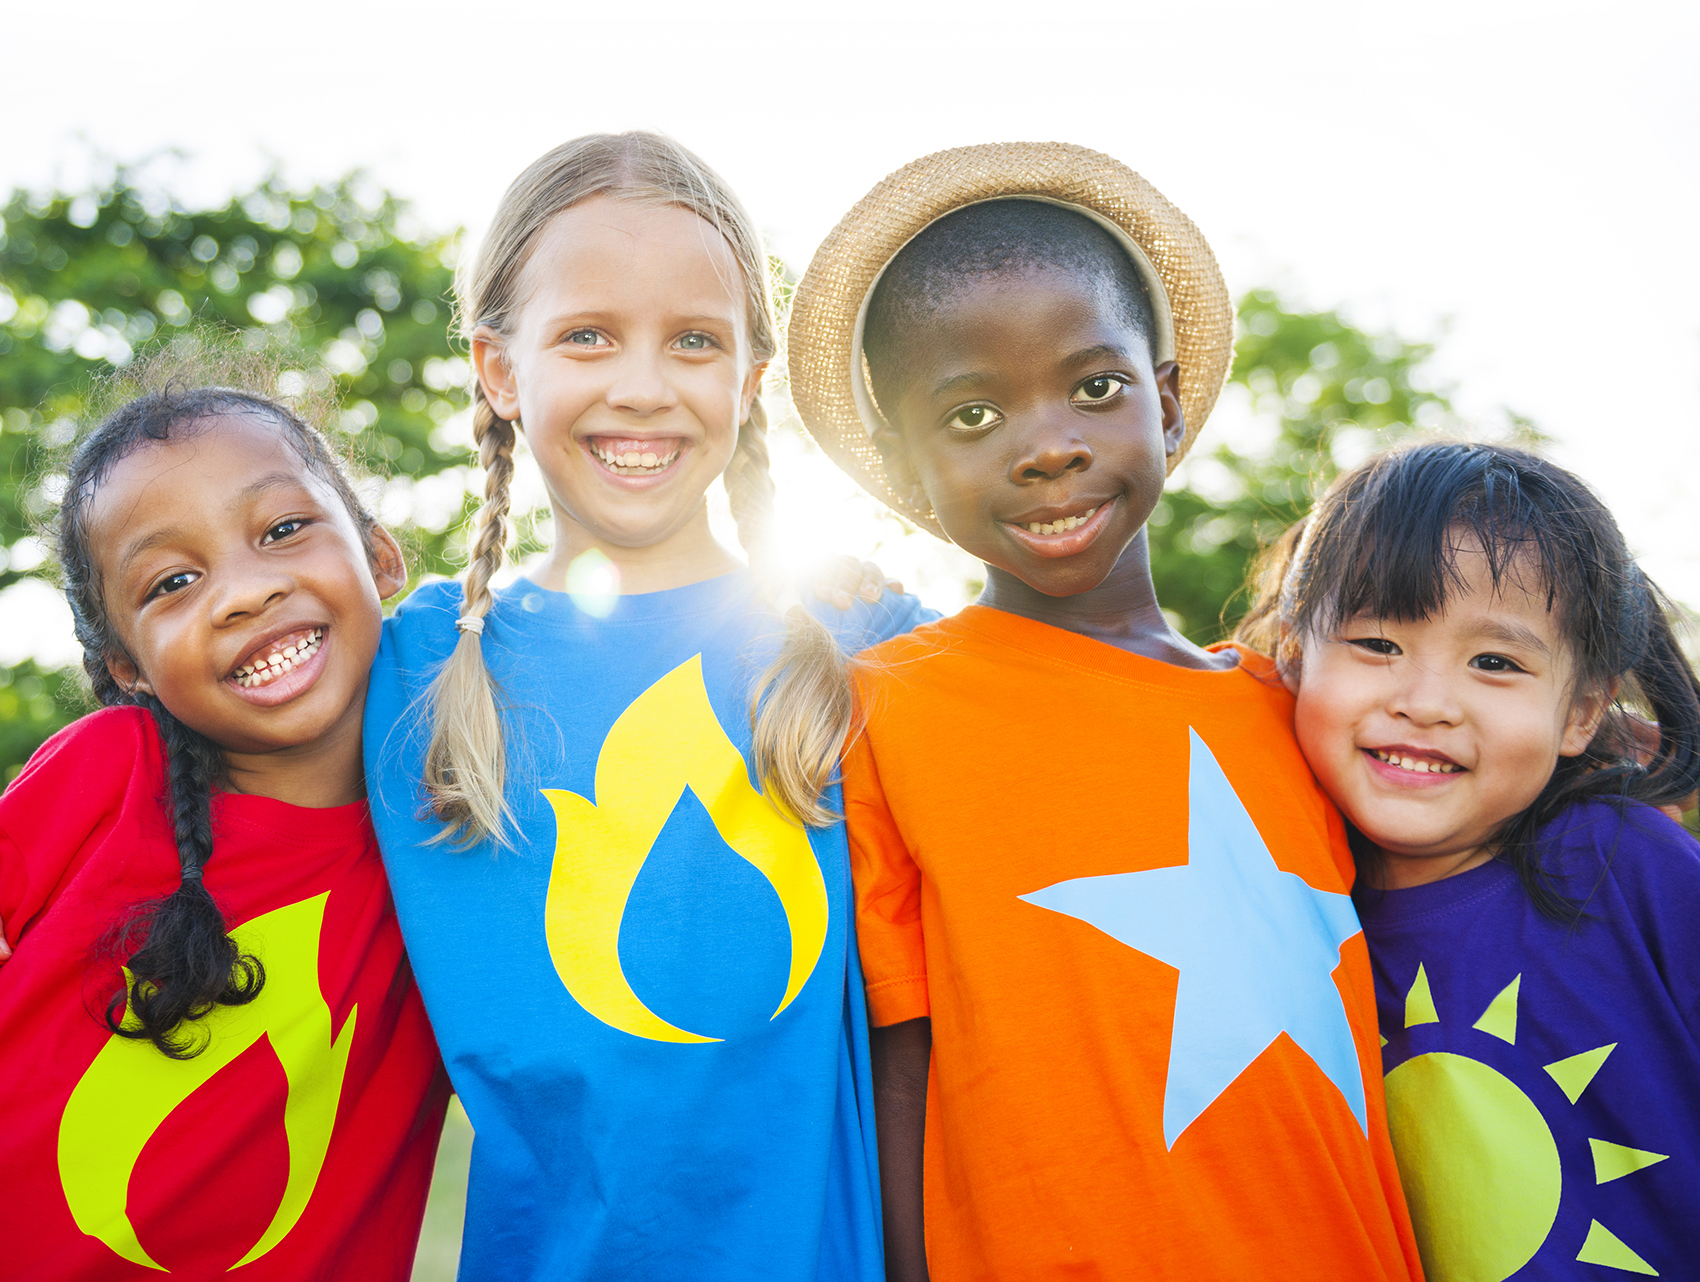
[1391, 540]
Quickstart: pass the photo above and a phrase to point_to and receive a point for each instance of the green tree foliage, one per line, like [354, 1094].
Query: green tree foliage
[335, 273]
[1330, 392]
[87, 279]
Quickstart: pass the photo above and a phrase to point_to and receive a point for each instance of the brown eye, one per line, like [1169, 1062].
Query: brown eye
[171, 583]
[282, 530]
[975, 418]
[1097, 389]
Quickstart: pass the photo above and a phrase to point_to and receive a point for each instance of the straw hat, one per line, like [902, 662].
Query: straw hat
[1194, 317]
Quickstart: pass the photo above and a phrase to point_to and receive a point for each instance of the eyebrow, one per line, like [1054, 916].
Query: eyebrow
[270, 481]
[1099, 352]
[1085, 356]
[1515, 634]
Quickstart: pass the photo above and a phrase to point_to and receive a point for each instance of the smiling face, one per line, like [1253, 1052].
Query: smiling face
[1032, 417]
[239, 587]
[1431, 734]
[629, 366]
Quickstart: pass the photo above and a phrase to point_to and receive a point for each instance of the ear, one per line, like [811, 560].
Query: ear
[125, 672]
[389, 566]
[899, 463]
[1168, 376]
[752, 386]
[490, 361]
[1586, 713]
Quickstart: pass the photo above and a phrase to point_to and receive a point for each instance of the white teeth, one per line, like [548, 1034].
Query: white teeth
[634, 462]
[1417, 767]
[1063, 526]
[279, 661]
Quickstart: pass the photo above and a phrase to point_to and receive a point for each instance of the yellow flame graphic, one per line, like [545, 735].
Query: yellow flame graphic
[667, 740]
[130, 1089]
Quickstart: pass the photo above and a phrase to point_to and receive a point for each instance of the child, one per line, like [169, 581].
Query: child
[637, 959]
[1460, 622]
[1091, 867]
[258, 1086]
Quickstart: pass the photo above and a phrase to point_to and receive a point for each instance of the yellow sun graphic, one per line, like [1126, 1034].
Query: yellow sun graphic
[1479, 1162]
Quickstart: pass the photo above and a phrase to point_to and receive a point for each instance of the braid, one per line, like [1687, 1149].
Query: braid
[749, 484]
[801, 708]
[187, 965]
[466, 762]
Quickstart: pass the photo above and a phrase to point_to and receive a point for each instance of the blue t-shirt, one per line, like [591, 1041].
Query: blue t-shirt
[1543, 1079]
[651, 1005]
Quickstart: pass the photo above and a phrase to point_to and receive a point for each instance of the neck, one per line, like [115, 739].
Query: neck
[327, 772]
[1399, 872]
[688, 555]
[1121, 611]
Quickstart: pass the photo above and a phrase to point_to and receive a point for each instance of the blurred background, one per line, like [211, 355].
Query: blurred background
[1467, 218]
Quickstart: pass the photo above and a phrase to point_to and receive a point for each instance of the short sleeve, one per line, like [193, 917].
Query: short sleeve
[888, 897]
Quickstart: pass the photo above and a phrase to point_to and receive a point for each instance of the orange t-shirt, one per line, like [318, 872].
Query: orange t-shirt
[1116, 889]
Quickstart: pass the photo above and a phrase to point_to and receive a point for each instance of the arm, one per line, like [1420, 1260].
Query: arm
[901, 1056]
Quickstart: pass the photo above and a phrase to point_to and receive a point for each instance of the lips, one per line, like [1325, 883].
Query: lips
[281, 667]
[635, 456]
[1061, 531]
[1401, 761]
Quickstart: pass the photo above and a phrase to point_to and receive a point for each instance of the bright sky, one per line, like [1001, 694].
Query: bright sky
[1518, 180]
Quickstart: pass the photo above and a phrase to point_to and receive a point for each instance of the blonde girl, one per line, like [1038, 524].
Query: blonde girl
[611, 823]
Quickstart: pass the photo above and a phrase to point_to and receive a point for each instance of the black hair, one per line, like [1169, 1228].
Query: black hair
[1385, 540]
[990, 239]
[186, 964]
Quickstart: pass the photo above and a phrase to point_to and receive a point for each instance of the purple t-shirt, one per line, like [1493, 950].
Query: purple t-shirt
[1543, 1080]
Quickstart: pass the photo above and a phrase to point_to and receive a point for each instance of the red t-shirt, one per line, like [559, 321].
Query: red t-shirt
[299, 1145]
[1119, 894]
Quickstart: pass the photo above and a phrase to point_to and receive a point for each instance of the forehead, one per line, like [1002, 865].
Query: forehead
[1021, 317]
[198, 469]
[604, 254]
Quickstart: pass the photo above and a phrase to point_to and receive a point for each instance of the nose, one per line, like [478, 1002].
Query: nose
[247, 586]
[1424, 696]
[640, 384]
[1051, 449]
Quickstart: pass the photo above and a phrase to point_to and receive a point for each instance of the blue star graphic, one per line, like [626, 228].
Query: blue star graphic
[1256, 948]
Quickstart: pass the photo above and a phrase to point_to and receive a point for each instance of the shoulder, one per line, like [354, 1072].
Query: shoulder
[1637, 845]
[421, 631]
[427, 608]
[89, 767]
[106, 745]
[895, 658]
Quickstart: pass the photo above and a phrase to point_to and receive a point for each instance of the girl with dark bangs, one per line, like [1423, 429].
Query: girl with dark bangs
[1491, 691]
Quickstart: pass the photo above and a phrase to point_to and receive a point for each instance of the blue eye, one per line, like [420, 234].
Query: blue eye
[695, 342]
[974, 418]
[1096, 390]
[585, 338]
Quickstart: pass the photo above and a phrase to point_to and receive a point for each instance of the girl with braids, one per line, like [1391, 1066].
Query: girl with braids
[216, 1055]
[611, 822]
[1467, 637]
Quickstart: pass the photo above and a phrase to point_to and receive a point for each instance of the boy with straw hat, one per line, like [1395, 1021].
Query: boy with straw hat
[1099, 894]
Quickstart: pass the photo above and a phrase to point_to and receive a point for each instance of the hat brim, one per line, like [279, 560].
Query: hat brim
[827, 374]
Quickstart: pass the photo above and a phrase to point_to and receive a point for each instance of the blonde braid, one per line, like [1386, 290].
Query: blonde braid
[466, 763]
[801, 708]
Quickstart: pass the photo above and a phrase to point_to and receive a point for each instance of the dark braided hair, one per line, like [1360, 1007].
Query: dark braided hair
[1384, 541]
[186, 964]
